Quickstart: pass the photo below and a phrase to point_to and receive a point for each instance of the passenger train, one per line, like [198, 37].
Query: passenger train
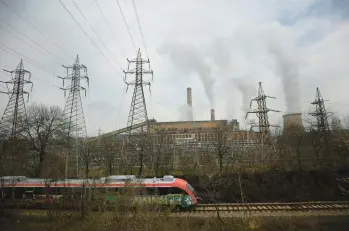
[68, 193]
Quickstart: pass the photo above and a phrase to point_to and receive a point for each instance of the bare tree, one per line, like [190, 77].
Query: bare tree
[221, 143]
[46, 128]
[86, 155]
[159, 150]
[138, 150]
[110, 151]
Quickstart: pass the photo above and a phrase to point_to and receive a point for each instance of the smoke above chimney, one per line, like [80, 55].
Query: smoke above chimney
[212, 115]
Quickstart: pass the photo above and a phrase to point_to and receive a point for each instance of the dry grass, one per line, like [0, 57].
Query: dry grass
[144, 217]
[142, 220]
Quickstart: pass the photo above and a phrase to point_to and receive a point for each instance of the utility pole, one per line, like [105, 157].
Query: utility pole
[73, 113]
[14, 122]
[101, 156]
[262, 114]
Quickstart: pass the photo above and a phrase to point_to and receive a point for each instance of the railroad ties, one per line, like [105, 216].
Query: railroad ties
[273, 207]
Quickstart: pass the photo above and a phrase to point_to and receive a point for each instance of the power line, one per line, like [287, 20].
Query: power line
[29, 38]
[140, 27]
[105, 46]
[28, 59]
[31, 62]
[128, 29]
[60, 1]
[111, 30]
[34, 27]
[26, 43]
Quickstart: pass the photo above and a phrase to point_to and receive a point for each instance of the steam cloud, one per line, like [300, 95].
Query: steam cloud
[185, 112]
[247, 91]
[288, 69]
[187, 57]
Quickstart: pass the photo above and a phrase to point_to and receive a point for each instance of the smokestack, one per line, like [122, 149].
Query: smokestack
[212, 115]
[189, 99]
[293, 123]
[189, 104]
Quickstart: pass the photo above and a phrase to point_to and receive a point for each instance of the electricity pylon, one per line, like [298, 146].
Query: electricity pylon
[14, 124]
[262, 114]
[14, 120]
[136, 135]
[138, 110]
[73, 113]
[320, 113]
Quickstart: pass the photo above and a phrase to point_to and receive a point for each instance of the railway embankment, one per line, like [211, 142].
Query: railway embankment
[270, 186]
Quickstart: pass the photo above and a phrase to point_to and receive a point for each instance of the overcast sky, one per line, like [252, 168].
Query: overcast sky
[221, 49]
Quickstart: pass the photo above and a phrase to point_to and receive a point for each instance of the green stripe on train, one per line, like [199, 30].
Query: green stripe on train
[171, 199]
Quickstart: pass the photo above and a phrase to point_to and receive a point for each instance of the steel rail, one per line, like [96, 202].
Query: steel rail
[262, 207]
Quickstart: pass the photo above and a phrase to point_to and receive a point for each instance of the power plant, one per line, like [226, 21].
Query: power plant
[190, 130]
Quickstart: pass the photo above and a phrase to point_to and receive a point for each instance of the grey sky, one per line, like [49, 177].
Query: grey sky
[239, 42]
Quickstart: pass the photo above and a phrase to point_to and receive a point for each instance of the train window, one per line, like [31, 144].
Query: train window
[19, 192]
[56, 191]
[7, 192]
[191, 189]
[39, 190]
[141, 191]
[151, 191]
[174, 190]
[162, 191]
[29, 190]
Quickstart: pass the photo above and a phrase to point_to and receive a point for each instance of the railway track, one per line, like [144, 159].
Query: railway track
[273, 207]
[250, 207]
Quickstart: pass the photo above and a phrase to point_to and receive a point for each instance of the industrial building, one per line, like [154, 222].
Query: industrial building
[190, 131]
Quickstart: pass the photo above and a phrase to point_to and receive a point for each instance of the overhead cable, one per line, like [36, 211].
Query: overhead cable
[94, 31]
[85, 33]
[26, 43]
[34, 27]
[110, 28]
[128, 29]
[140, 27]
[20, 32]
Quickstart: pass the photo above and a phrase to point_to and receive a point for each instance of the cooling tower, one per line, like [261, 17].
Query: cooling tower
[212, 115]
[293, 123]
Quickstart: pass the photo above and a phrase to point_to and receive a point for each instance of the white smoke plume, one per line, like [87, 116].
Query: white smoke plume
[188, 58]
[185, 113]
[247, 90]
[288, 68]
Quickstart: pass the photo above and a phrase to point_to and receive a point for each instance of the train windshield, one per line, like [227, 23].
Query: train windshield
[191, 189]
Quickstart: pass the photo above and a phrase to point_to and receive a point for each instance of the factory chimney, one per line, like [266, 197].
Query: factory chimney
[189, 104]
[212, 115]
[189, 99]
[293, 123]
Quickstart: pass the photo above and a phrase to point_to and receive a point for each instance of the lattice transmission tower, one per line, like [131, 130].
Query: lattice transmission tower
[14, 120]
[73, 113]
[320, 113]
[138, 110]
[262, 114]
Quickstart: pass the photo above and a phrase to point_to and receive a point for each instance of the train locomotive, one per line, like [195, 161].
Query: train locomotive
[68, 193]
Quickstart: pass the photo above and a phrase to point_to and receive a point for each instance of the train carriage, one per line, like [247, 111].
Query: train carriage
[167, 191]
